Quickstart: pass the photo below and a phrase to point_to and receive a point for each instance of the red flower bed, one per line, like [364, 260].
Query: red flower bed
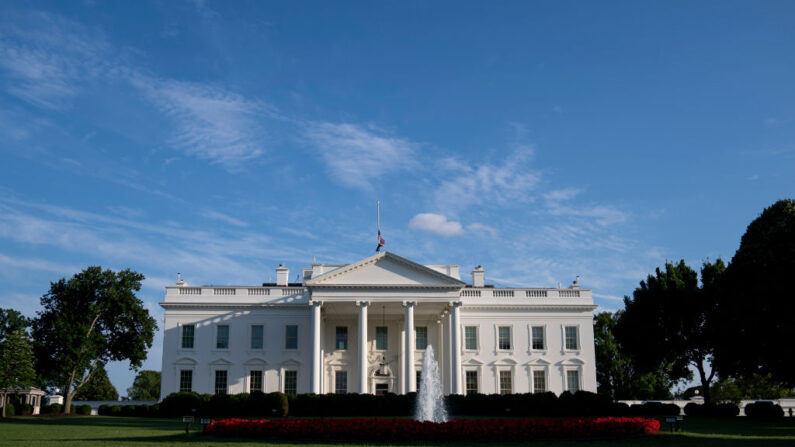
[401, 430]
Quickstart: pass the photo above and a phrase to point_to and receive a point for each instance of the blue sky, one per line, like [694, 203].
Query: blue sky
[541, 140]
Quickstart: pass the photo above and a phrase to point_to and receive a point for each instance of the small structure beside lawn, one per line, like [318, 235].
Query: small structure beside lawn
[20, 396]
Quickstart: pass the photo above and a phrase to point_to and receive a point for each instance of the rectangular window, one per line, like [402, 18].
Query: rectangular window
[471, 338]
[290, 382]
[381, 338]
[256, 336]
[539, 381]
[222, 337]
[421, 337]
[186, 380]
[504, 333]
[187, 336]
[572, 381]
[472, 382]
[341, 382]
[255, 383]
[342, 337]
[571, 338]
[506, 384]
[418, 379]
[291, 337]
[220, 381]
[538, 338]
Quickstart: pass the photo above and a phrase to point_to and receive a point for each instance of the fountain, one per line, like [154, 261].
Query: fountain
[430, 400]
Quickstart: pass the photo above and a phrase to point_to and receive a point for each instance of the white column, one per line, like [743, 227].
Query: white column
[410, 379]
[316, 360]
[456, 347]
[363, 346]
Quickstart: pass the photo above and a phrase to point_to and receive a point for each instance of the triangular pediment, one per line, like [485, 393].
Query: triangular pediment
[385, 270]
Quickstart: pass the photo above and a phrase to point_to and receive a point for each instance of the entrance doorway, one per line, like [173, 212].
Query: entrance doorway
[381, 389]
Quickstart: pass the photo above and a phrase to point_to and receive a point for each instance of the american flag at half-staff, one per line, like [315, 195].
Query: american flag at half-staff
[381, 241]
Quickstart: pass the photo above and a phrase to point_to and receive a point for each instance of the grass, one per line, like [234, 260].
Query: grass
[119, 432]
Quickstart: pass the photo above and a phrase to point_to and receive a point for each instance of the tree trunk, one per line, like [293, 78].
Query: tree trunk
[4, 405]
[67, 398]
[705, 381]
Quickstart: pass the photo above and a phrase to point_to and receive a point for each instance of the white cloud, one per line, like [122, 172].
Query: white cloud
[211, 123]
[435, 223]
[562, 194]
[482, 228]
[510, 182]
[49, 57]
[355, 156]
[214, 215]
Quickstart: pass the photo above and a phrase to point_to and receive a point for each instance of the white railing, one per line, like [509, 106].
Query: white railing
[190, 291]
[292, 291]
[535, 293]
[259, 291]
[223, 291]
[488, 292]
[503, 293]
[569, 293]
[470, 292]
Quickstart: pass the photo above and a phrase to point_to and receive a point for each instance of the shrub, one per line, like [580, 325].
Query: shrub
[409, 430]
[763, 409]
[654, 409]
[725, 410]
[184, 403]
[85, 410]
[127, 410]
[103, 410]
[10, 410]
[50, 409]
[115, 410]
[265, 405]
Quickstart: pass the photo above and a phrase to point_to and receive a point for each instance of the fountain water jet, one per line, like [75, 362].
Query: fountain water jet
[430, 400]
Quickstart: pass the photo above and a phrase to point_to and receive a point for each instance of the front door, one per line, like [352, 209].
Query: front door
[381, 389]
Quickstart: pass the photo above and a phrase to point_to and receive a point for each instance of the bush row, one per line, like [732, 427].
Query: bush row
[409, 430]
[726, 410]
[764, 409]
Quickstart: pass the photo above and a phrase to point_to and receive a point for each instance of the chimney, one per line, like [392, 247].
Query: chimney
[478, 277]
[282, 275]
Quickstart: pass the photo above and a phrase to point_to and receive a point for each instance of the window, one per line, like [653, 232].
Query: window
[187, 336]
[341, 382]
[342, 337]
[222, 337]
[255, 383]
[381, 389]
[471, 338]
[538, 338]
[186, 380]
[421, 338]
[472, 382]
[418, 379]
[504, 335]
[220, 381]
[571, 338]
[256, 336]
[506, 384]
[539, 381]
[572, 381]
[381, 338]
[291, 337]
[290, 382]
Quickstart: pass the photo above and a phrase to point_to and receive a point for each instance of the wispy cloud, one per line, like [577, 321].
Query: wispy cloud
[436, 223]
[354, 155]
[214, 215]
[499, 184]
[482, 228]
[211, 123]
[48, 57]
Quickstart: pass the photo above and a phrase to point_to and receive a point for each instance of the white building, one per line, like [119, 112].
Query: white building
[307, 337]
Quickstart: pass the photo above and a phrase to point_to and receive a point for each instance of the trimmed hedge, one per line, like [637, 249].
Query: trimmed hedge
[654, 409]
[51, 409]
[10, 410]
[726, 410]
[84, 410]
[764, 410]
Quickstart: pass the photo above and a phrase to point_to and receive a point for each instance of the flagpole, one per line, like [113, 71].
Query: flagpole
[378, 208]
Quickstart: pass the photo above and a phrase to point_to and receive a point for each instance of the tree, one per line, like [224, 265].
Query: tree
[16, 362]
[671, 320]
[757, 312]
[616, 376]
[98, 387]
[11, 321]
[146, 386]
[91, 319]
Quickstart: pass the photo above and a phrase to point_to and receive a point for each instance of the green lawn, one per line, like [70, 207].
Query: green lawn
[118, 432]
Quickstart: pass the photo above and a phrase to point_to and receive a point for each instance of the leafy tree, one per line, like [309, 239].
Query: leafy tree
[757, 312]
[616, 376]
[11, 321]
[670, 321]
[16, 361]
[98, 387]
[88, 320]
[146, 386]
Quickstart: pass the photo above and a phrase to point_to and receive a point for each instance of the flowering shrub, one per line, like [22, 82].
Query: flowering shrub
[404, 430]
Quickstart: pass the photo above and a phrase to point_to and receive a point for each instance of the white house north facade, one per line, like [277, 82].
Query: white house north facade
[365, 327]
